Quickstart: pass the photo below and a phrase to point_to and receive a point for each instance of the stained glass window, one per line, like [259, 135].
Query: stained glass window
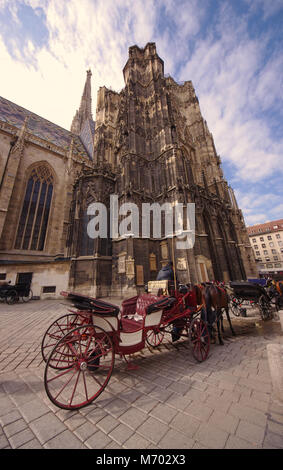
[35, 211]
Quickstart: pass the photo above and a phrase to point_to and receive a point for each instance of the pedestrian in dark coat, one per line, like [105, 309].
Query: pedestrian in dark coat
[166, 273]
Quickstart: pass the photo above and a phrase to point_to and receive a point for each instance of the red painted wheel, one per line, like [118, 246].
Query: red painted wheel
[60, 328]
[79, 367]
[154, 337]
[200, 340]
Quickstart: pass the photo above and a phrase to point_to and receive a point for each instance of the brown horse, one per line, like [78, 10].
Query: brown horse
[216, 300]
[200, 293]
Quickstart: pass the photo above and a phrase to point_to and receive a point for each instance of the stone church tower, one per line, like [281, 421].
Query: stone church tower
[148, 144]
[152, 144]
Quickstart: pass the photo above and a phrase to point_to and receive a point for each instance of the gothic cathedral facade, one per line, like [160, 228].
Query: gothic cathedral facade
[148, 144]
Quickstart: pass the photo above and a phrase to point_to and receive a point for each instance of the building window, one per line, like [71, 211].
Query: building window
[2, 276]
[263, 245]
[269, 265]
[255, 247]
[280, 243]
[277, 265]
[274, 252]
[265, 252]
[254, 240]
[261, 239]
[49, 289]
[271, 244]
[267, 259]
[275, 258]
[257, 253]
[35, 211]
[278, 235]
[269, 237]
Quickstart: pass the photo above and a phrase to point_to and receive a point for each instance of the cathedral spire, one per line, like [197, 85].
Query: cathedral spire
[84, 111]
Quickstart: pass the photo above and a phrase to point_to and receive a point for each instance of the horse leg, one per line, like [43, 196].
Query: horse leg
[218, 320]
[209, 314]
[211, 318]
[229, 321]
[221, 320]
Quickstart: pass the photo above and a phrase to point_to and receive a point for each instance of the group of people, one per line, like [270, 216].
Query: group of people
[275, 290]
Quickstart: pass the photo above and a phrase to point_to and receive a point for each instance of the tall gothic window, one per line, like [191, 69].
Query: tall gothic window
[35, 211]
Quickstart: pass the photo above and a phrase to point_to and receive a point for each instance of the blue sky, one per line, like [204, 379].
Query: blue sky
[232, 50]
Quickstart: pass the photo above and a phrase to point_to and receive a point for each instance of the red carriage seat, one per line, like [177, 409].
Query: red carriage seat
[133, 317]
[147, 308]
[144, 311]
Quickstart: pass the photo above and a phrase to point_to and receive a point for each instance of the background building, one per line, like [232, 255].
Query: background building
[149, 143]
[267, 243]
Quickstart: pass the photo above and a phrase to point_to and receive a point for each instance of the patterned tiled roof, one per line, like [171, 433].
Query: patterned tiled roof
[272, 226]
[87, 135]
[15, 115]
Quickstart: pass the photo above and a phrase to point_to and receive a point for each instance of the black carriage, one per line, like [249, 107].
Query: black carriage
[255, 294]
[13, 293]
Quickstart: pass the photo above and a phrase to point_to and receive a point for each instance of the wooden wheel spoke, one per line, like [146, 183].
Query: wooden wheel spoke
[61, 374]
[75, 387]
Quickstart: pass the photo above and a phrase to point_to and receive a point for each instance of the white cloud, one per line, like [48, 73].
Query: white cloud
[269, 7]
[81, 35]
[235, 88]
[259, 207]
[94, 34]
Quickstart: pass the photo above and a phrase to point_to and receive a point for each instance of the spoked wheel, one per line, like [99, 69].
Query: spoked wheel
[84, 361]
[234, 306]
[12, 297]
[28, 296]
[154, 337]
[265, 308]
[200, 340]
[58, 329]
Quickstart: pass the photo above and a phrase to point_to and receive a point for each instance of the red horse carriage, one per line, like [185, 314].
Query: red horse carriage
[79, 348]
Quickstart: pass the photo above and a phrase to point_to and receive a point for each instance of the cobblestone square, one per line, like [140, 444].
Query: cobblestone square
[170, 401]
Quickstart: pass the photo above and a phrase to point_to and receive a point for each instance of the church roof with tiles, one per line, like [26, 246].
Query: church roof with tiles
[15, 115]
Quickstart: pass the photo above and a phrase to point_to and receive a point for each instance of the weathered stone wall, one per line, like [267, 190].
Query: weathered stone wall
[44, 275]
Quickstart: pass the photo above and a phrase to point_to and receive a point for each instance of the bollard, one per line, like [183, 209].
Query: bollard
[275, 361]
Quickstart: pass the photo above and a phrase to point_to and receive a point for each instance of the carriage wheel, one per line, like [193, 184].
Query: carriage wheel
[27, 296]
[264, 308]
[60, 328]
[200, 340]
[12, 297]
[154, 337]
[84, 360]
[234, 306]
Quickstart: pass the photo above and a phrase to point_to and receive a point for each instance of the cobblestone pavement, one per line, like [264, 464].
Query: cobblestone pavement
[169, 402]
